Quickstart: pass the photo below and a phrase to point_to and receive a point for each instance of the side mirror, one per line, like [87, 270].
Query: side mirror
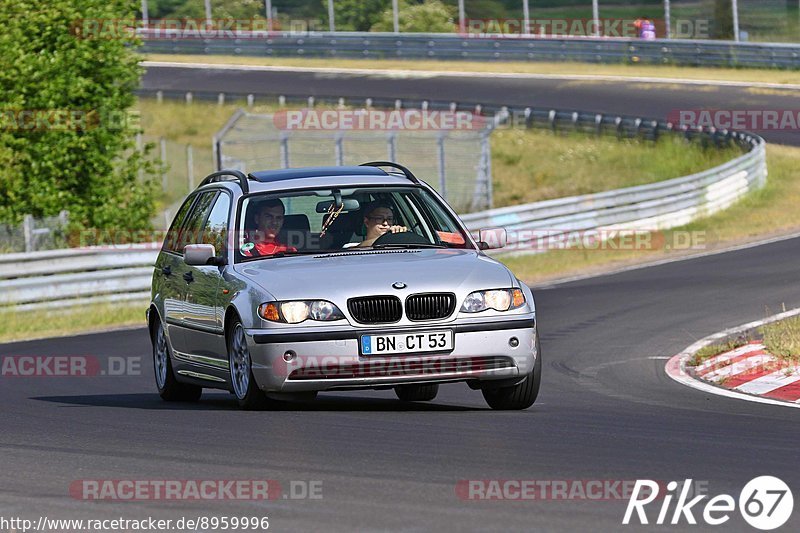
[199, 254]
[492, 238]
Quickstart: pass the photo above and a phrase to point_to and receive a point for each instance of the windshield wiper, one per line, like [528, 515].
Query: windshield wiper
[408, 245]
[286, 254]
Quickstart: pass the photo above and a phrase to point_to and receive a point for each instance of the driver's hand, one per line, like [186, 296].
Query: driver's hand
[398, 229]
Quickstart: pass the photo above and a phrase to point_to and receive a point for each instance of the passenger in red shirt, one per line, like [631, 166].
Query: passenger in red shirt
[269, 221]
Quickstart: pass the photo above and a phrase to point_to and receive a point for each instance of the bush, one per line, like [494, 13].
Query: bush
[430, 17]
[79, 155]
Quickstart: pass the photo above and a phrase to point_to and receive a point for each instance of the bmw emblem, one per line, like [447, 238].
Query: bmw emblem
[399, 285]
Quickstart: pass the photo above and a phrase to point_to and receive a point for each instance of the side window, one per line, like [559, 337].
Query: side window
[170, 241]
[190, 231]
[215, 230]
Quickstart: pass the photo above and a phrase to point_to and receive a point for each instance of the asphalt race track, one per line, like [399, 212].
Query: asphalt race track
[651, 100]
[607, 411]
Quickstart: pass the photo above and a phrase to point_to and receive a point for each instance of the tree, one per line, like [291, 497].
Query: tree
[221, 9]
[430, 17]
[74, 80]
[723, 20]
[356, 15]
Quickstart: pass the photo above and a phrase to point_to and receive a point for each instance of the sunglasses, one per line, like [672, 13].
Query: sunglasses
[387, 220]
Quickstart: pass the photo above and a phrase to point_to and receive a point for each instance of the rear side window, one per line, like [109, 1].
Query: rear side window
[170, 242]
[215, 229]
[190, 232]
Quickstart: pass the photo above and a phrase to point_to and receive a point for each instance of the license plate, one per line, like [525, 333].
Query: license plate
[407, 343]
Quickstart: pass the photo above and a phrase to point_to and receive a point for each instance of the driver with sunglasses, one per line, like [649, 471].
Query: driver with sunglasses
[379, 219]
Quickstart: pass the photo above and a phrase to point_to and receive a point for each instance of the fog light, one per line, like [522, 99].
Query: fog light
[289, 356]
[513, 342]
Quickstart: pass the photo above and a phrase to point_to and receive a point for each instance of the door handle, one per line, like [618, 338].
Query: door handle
[188, 277]
[166, 270]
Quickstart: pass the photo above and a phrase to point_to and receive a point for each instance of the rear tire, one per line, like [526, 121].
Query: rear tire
[521, 395]
[169, 388]
[417, 393]
[245, 388]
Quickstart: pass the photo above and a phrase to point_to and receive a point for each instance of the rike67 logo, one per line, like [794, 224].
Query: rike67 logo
[765, 503]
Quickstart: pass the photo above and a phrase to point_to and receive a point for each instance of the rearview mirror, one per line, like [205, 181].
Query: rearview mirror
[198, 254]
[492, 238]
[350, 204]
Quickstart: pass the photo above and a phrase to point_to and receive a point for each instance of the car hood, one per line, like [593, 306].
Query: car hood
[340, 276]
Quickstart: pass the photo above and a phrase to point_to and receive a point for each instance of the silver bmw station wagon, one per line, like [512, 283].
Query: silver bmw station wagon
[283, 283]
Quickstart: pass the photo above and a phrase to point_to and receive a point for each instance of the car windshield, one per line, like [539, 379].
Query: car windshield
[338, 220]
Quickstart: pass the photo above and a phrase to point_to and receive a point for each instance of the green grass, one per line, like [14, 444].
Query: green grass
[782, 339]
[25, 325]
[770, 211]
[534, 165]
[510, 67]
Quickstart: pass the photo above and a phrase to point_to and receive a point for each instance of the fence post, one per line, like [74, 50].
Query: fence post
[27, 231]
[442, 174]
[190, 166]
[163, 142]
[339, 149]
[221, 99]
[284, 151]
[391, 145]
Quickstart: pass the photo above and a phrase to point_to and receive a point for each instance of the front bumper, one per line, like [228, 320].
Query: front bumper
[328, 359]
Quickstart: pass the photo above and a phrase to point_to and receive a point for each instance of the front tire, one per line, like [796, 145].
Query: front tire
[519, 396]
[245, 388]
[169, 388]
[417, 393]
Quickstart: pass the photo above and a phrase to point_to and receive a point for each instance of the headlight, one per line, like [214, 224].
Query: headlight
[298, 311]
[497, 299]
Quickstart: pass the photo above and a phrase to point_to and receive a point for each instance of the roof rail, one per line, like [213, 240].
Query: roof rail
[410, 175]
[219, 175]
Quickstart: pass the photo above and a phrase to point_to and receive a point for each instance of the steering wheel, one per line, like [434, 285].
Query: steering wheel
[405, 237]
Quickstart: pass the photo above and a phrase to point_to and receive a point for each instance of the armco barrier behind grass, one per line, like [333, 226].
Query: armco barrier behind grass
[374, 45]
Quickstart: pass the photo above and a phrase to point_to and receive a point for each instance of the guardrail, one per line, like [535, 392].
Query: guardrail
[60, 278]
[480, 48]
[79, 276]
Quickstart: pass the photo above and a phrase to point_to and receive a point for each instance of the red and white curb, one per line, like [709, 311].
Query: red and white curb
[746, 373]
